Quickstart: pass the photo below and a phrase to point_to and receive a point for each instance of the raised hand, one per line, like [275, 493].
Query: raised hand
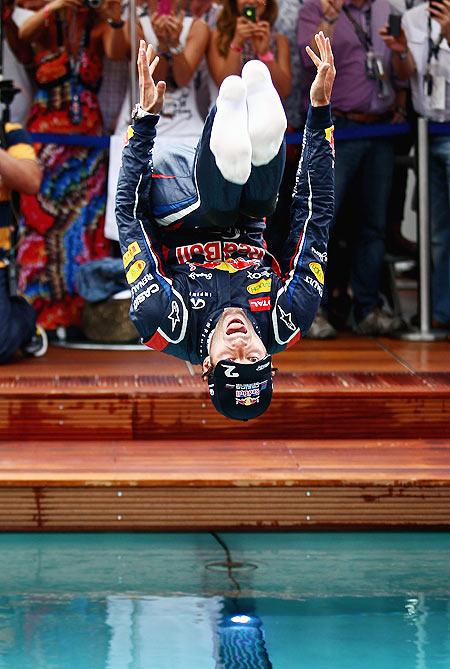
[261, 37]
[151, 96]
[441, 12]
[397, 44]
[243, 31]
[322, 85]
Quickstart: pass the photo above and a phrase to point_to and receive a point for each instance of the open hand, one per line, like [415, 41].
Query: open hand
[151, 96]
[322, 85]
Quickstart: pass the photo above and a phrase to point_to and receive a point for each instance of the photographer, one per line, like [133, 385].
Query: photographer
[422, 54]
[19, 171]
[63, 225]
[363, 95]
[245, 31]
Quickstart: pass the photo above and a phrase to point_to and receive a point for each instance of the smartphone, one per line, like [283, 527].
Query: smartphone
[394, 25]
[164, 7]
[249, 12]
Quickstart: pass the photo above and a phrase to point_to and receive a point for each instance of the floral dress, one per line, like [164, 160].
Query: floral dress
[62, 226]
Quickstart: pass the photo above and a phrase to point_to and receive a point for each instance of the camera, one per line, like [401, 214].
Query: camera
[249, 12]
[8, 91]
[92, 4]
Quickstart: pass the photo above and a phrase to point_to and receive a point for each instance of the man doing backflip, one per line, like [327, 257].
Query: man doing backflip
[191, 221]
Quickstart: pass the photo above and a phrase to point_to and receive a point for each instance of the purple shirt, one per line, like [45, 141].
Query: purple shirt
[353, 90]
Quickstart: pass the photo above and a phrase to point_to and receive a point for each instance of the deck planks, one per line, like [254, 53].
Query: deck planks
[358, 437]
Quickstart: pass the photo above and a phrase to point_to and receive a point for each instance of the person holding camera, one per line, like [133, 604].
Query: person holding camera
[422, 53]
[63, 224]
[20, 172]
[363, 95]
[244, 31]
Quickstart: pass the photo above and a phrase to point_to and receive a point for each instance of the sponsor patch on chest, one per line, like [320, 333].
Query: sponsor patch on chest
[259, 304]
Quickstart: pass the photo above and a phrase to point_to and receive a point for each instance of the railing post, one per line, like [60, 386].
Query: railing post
[133, 38]
[424, 333]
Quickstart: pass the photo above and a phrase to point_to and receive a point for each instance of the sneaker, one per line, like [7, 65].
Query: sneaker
[38, 344]
[378, 323]
[321, 328]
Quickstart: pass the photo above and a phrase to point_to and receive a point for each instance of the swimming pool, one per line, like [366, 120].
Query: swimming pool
[167, 601]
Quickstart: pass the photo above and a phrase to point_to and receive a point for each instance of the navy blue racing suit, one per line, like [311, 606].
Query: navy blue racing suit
[192, 243]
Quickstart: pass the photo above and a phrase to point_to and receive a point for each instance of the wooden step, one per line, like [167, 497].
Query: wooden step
[224, 484]
[142, 406]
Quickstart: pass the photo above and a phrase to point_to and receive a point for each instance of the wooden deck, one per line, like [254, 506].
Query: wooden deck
[358, 436]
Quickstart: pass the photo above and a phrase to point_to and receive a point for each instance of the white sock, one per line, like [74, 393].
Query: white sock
[230, 141]
[266, 117]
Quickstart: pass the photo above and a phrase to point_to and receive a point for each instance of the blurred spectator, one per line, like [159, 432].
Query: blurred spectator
[423, 54]
[63, 225]
[19, 171]
[181, 42]
[17, 56]
[278, 225]
[363, 95]
[205, 86]
[396, 243]
[116, 75]
[245, 31]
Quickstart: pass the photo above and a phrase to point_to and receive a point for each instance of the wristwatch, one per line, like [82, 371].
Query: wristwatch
[176, 50]
[116, 24]
[138, 113]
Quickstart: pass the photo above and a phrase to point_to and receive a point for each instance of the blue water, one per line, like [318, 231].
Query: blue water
[334, 601]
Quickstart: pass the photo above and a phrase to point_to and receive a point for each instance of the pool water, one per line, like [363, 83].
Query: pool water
[168, 601]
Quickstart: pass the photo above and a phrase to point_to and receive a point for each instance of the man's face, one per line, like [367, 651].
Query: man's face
[235, 339]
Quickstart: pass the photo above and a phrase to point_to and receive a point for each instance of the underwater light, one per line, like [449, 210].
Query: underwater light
[241, 619]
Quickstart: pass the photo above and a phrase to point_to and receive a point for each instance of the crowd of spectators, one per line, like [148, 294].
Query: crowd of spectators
[70, 59]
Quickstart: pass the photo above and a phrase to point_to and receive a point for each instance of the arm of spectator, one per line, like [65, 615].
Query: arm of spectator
[222, 66]
[116, 43]
[305, 254]
[22, 50]
[35, 25]
[183, 62]
[403, 63]
[19, 169]
[279, 65]
[315, 17]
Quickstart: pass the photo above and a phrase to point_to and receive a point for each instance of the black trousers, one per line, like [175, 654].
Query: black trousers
[17, 320]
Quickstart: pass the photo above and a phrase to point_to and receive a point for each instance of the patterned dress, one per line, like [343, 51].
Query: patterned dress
[63, 225]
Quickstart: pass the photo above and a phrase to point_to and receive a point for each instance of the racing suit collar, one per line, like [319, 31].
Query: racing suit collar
[207, 330]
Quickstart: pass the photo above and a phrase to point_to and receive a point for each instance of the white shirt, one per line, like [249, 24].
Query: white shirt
[415, 25]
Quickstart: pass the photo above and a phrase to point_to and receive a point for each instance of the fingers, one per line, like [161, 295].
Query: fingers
[320, 41]
[325, 51]
[313, 57]
[329, 52]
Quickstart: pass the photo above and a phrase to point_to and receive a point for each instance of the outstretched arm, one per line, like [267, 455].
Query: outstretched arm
[304, 258]
[157, 310]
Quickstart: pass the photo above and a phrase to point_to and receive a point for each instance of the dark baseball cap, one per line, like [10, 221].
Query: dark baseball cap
[241, 391]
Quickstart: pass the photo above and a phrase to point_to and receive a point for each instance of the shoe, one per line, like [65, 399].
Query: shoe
[397, 245]
[38, 344]
[321, 328]
[378, 323]
[266, 116]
